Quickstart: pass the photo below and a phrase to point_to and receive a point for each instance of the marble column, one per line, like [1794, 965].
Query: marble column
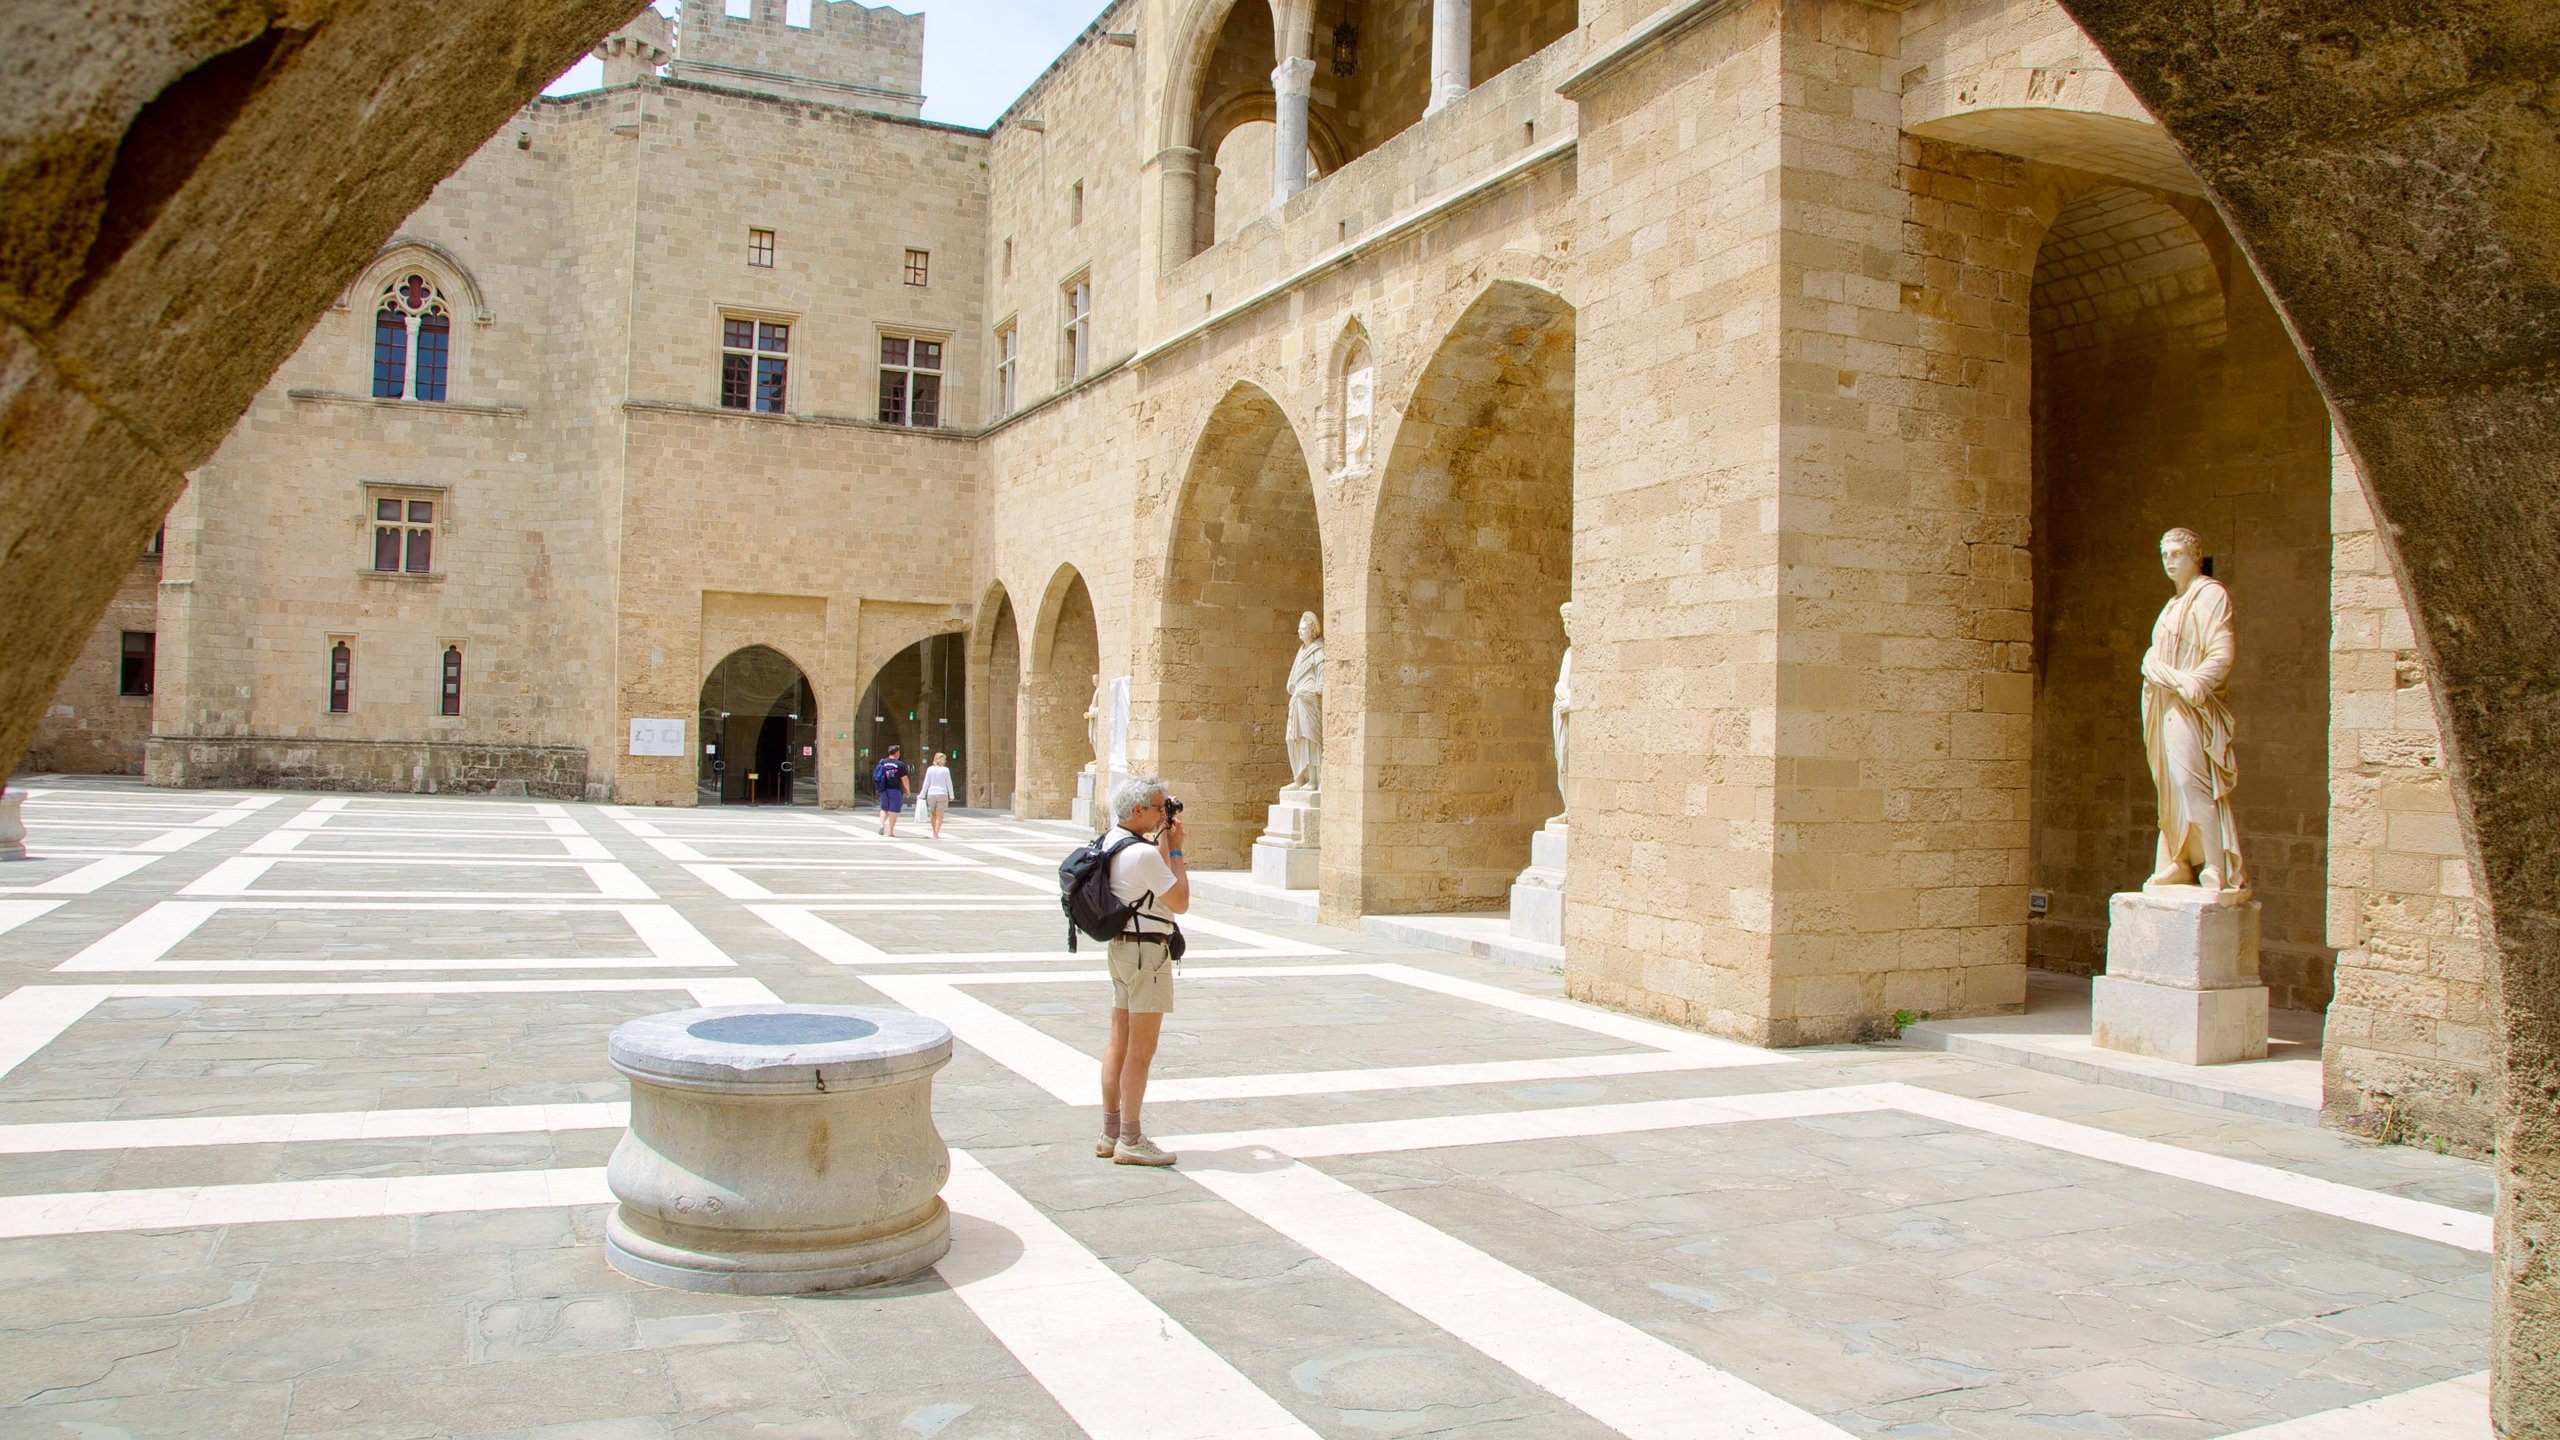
[1178, 189]
[1452, 43]
[1290, 81]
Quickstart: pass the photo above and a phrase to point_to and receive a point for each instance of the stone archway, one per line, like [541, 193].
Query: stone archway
[995, 696]
[1471, 556]
[1243, 563]
[1057, 688]
[759, 723]
[916, 702]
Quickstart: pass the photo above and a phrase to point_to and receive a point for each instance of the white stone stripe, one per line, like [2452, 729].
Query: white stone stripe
[186, 1207]
[14, 913]
[193, 1131]
[88, 879]
[290, 842]
[144, 942]
[1119, 1366]
[2455, 1409]
[1601, 1365]
[1436, 1132]
[828, 942]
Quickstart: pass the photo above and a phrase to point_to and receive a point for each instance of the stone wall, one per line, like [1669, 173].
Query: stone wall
[553, 772]
[2411, 1050]
[91, 727]
[848, 54]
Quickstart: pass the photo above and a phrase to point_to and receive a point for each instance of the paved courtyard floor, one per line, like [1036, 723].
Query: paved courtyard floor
[304, 1104]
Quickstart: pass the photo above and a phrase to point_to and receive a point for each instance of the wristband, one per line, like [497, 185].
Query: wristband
[1176, 854]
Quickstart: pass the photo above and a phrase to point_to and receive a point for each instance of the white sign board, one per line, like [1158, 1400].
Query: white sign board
[657, 737]
[1120, 724]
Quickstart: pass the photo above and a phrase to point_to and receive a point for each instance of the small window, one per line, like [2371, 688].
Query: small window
[919, 263]
[1075, 203]
[1008, 368]
[760, 249]
[1007, 267]
[412, 340]
[141, 657]
[1075, 333]
[451, 704]
[910, 381]
[754, 364]
[342, 668]
[404, 538]
[159, 542]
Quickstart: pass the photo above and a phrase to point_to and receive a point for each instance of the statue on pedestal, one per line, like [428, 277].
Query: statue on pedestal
[1097, 724]
[2186, 725]
[1560, 720]
[1305, 733]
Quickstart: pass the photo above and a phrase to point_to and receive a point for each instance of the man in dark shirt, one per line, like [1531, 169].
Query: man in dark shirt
[889, 781]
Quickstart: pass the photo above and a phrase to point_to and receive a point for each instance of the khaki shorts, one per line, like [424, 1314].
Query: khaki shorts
[1142, 976]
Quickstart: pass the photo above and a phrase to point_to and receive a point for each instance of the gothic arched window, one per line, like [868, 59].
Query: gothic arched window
[412, 340]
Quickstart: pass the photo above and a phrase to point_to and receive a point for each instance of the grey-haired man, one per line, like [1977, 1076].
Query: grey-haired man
[1151, 876]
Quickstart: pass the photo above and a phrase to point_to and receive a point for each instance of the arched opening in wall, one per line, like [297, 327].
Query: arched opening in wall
[1059, 740]
[759, 728]
[1472, 558]
[1243, 163]
[1243, 565]
[995, 694]
[915, 703]
[2163, 399]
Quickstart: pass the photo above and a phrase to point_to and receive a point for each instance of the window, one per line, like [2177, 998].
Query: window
[452, 689]
[1007, 270]
[918, 262]
[1075, 203]
[141, 655]
[910, 381]
[752, 364]
[404, 535]
[760, 249]
[1008, 366]
[412, 340]
[1076, 334]
[159, 542]
[342, 666]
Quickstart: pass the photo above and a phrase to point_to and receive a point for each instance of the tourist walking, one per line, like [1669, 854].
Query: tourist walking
[889, 782]
[1150, 875]
[936, 796]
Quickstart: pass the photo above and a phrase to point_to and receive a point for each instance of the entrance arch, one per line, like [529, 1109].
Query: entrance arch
[1066, 667]
[759, 723]
[1472, 558]
[914, 702]
[1244, 562]
[995, 696]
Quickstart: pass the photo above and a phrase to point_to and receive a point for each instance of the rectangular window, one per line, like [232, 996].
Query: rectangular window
[435, 348]
[1075, 203]
[1075, 335]
[451, 703]
[754, 364]
[1008, 366]
[918, 262]
[760, 249]
[390, 356]
[404, 535]
[910, 381]
[141, 656]
[159, 542]
[342, 675]
[1007, 269]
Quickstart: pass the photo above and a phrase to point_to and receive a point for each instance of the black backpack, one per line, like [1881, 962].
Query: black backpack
[1084, 892]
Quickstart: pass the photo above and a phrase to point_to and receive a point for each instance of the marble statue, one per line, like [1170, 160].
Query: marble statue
[1561, 721]
[1097, 723]
[2186, 725]
[1358, 392]
[1305, 734]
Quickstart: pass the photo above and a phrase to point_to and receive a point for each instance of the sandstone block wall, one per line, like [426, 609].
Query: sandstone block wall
[849, 53]
[91, 727]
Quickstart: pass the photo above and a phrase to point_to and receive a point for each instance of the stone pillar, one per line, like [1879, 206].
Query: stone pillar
[13, 827]
[1452, 59]
[2182, 978]
[1290, 82]
[1178, 192]
[779, 1149]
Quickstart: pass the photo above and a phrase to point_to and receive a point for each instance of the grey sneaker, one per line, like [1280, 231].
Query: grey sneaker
[1106, 1148]
[1141, 1151]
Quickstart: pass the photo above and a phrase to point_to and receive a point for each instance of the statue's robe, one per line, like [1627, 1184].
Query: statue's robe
[1305, 734]
[2189, 745]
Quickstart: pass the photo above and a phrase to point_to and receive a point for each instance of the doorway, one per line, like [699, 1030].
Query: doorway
[759, 727]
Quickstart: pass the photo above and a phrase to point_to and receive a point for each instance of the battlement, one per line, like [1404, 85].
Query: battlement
[848, 54]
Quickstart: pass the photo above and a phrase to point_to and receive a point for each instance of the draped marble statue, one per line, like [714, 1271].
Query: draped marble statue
[1097, 724]
[2186, 725]
[1305, 734]
[1560, 721]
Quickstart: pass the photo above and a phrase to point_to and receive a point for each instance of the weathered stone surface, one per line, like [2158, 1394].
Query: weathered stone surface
[2392, 172]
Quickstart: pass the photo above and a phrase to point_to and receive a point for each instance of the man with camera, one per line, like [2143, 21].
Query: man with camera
[1149, 875]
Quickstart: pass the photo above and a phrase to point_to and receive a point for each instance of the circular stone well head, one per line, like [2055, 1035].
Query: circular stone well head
[793, 1047]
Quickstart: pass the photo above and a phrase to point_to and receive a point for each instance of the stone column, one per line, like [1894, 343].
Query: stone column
[1290, 80]
[1178, 191]
[1452, 61]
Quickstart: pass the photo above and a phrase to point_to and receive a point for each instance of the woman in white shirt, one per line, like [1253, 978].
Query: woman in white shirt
[937, 791]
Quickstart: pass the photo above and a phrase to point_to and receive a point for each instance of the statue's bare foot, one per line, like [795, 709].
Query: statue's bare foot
[2209, 878]
[2174, 873]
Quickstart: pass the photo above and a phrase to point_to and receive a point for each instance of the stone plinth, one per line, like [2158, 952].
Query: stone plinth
[1537, 897]
[13, 828]
[779, 1149]
[1284, 855]
[1082, 810]
[2182, 978]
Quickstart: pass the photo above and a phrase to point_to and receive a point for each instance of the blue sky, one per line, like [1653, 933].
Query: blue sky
[978, 54]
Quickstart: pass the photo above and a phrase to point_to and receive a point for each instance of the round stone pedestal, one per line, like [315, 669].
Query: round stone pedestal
[779, 1149]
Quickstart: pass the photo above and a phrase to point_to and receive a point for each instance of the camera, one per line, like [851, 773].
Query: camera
[1172, 807]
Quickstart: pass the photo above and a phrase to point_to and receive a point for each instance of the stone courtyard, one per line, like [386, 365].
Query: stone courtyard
[304, 1104]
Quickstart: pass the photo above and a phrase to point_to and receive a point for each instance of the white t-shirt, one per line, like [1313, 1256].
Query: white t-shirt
[937, 781]
[1141, 870]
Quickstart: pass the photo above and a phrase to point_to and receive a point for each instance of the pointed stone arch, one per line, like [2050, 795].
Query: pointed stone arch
[995, 698]
[1065, 663]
